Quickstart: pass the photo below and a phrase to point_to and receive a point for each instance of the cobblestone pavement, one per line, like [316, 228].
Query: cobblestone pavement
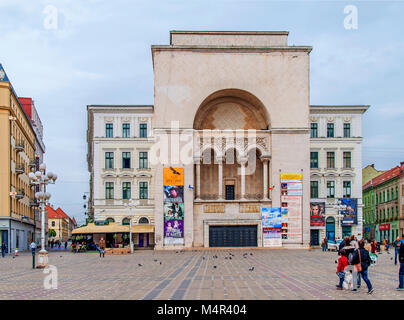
[194, 274]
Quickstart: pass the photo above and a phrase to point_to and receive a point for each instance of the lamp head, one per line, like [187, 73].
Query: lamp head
[38, 174]
[42, 167]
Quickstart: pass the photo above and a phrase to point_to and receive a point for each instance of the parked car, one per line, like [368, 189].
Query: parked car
[333, 245]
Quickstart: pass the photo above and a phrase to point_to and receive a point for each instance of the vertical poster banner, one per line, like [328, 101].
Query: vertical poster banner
[173, 206]
[351, 211]
[317, 214]
[271, 227]
[291, 206]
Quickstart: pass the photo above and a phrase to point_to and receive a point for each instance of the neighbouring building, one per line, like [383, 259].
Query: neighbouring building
[61, 223]
[369, 172]
[382, 205]
[30, 109]
[119, 141]
[17, 143]
[336, 169]
[401, 199]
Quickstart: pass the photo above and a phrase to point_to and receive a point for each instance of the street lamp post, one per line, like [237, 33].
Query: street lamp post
[42, 179]
[130, 206]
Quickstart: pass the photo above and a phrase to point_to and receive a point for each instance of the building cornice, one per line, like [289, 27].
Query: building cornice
[338, 108]
[238, 49]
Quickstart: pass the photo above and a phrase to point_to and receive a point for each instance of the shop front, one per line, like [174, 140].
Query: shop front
[115, 235]
[384, 232]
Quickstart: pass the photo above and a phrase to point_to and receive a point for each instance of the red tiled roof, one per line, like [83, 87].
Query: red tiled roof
[62, 213]
[390, 174]
[52, 214]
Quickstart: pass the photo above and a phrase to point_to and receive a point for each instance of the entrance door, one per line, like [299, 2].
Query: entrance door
[233, 236]
[141, 239]
[314, 237]
[346, 231]
[4, 239]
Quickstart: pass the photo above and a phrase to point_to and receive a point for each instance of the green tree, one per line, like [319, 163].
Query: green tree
[51, 233]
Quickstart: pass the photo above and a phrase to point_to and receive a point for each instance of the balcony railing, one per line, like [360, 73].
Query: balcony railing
[19, 168]
[19, 146]
[215, 196]
[20, 194]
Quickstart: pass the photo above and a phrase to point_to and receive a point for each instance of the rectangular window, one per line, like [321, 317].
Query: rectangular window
[330, 160]
[125, 130]
[313, 159]
[347, 160]
[347, 189]
[347, 130]
[109, 190]
[143, 163]
[330, 189]
[143, 130]
[314, 189]
[109, 160]
[330, 130]
[109, 130]
[125, 160]
[143, 194]
[229, 192]
[126, 190]
[313, 130]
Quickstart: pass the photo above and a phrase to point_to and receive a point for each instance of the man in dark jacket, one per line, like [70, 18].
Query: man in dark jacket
[401, 271]
[361, 255]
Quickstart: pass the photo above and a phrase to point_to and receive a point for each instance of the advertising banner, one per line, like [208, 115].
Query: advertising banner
[350, 213]
[173, 205]
[271, 227]
[291, 205]
[317, 214]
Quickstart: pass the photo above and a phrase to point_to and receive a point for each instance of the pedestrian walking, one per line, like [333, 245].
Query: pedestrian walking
[401, 270]
[387, 245]
[324, 244]
[52, 243]
[396, 245]
[65, 245]
[361, 262]
[373, 246]
[3, 249]
[102, 247]
[342, 244]
[354, 243]
[348, 251]
[342, 264]
[33, 247]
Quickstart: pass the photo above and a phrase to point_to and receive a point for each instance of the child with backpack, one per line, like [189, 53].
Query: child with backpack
[342, 264]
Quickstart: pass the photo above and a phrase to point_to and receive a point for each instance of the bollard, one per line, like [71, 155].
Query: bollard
[33, 259]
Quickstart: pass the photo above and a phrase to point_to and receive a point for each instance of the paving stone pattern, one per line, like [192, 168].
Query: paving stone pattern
[193, 275]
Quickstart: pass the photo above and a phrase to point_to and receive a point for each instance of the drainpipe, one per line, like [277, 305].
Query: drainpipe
[11, 149]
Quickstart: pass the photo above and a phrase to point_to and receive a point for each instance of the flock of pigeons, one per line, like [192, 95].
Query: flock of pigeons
[229, 257]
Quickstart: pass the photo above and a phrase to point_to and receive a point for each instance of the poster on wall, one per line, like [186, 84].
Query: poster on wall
[173, 206]
[317, 214]
[350, 212]
[291, 206]
[271, 227]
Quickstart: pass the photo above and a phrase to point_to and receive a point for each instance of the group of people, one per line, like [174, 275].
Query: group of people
[355, 259]
[56, 243]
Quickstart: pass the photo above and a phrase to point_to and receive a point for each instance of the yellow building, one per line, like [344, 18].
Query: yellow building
[61, 223]
[17, 145]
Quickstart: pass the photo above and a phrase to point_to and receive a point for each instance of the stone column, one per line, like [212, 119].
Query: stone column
[243, 163]
[220, 178]
[198, 178]
[265, 178]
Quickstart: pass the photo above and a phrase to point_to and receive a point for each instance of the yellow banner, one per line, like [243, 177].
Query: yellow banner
[173, 176]
[291, 176]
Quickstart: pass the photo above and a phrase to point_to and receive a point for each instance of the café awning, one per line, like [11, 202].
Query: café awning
[113, 228]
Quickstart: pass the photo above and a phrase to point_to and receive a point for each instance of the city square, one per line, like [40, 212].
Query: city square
[191, 275]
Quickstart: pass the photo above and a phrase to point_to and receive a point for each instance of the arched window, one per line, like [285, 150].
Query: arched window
[126, 222]
[110, 220]
[143, 220]
[330, 228]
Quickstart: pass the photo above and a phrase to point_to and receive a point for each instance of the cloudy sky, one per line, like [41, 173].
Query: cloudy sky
[99, 53]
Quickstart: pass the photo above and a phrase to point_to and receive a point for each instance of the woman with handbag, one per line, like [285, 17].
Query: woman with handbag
[361, 261]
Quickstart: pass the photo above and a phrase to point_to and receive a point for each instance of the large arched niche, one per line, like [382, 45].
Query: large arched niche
[231, 109]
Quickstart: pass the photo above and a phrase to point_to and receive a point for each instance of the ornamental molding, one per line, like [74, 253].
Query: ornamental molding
[330, 119]
[109, 119]
[347, 119]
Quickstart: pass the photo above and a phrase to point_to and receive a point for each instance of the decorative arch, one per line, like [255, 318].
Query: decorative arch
[110, 220]
[143, 220]
[125, 221]
[231, 109]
